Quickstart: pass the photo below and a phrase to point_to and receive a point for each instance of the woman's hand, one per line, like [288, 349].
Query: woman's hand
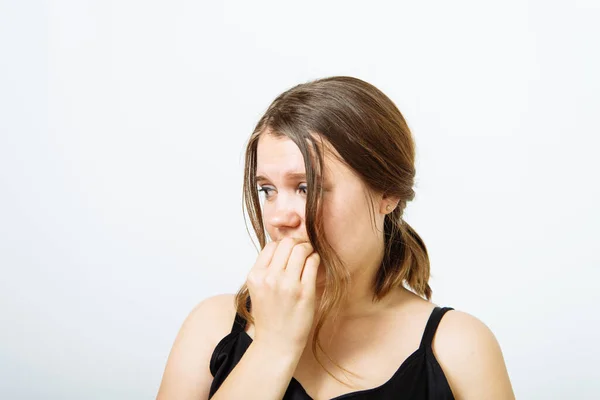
[282, 289]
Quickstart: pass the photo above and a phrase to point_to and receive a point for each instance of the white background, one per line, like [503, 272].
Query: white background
[122, 129]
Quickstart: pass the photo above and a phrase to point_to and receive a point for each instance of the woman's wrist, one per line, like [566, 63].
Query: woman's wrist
[287, 355]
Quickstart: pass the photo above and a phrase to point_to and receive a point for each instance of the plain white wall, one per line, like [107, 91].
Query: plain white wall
[122, 129]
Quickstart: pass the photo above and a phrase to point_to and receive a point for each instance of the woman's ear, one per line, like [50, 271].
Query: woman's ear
[388, 204]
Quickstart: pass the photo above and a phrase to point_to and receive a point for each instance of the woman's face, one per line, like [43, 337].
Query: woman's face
[346, 218]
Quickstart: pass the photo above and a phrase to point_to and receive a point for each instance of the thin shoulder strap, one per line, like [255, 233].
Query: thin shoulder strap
[239, 323]
[432, 324]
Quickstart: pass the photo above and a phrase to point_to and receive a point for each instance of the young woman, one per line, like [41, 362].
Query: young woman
[337, 304]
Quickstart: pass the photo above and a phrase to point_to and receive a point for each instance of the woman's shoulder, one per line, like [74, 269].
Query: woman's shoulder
[470, 356]
[187, 372]
[214, 315]
[215, 304]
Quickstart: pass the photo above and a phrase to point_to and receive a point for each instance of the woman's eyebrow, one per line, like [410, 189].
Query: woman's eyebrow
[287, 175]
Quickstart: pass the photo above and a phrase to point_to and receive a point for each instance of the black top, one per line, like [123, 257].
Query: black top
[420, 376]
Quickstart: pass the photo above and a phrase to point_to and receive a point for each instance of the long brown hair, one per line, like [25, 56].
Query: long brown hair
[372, 138]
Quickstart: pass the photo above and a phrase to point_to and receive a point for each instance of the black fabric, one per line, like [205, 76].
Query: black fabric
[420, 376]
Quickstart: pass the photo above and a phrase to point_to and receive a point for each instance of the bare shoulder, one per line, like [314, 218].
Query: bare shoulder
[213, 316]
[187, 373]
[471, 358]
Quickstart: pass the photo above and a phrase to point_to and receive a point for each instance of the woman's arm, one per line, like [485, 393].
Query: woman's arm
[471, 358]
[282, 287]
[264, 372]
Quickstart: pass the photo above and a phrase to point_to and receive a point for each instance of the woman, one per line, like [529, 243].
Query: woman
[337, 303]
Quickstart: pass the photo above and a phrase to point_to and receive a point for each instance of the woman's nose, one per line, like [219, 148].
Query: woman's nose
[285, 216]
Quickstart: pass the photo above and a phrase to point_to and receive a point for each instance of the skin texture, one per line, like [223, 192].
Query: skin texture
[366, 333]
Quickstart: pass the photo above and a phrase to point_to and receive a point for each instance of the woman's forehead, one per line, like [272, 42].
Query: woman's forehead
[280, 156]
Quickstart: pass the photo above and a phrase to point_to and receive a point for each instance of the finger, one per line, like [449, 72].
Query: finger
[282, 254]
[295, 263]
[266, 255]
[309, 273]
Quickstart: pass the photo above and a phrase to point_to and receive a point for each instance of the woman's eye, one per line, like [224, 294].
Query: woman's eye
[267, 190]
